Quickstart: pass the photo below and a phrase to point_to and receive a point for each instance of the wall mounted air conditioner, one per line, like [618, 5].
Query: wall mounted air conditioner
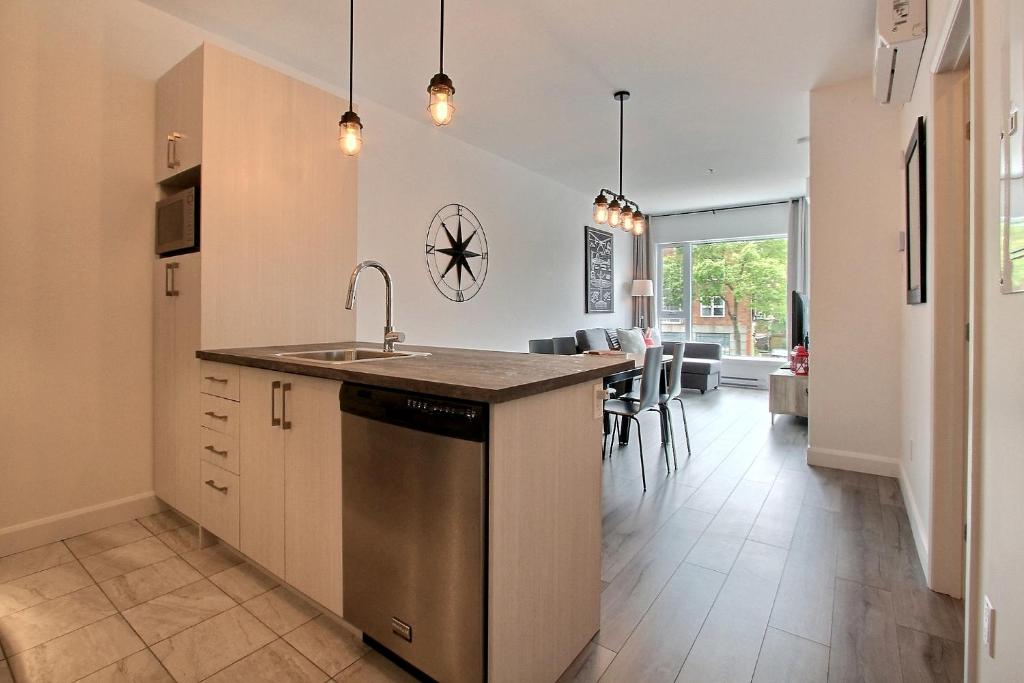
[902, 26]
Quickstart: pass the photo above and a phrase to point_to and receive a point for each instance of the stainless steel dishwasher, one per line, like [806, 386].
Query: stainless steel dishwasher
[414, 502]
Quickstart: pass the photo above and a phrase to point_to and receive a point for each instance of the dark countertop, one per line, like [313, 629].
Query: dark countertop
[485, 376]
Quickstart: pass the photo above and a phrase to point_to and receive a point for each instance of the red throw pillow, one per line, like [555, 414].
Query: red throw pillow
[649, 342]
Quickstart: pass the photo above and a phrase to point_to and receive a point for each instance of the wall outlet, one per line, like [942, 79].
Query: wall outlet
[988, 627]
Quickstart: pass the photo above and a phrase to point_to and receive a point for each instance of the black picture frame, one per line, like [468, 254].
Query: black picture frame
[916, 214]
[598, 270]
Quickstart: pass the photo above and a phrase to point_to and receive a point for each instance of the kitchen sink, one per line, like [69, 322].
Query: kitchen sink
[347, 355]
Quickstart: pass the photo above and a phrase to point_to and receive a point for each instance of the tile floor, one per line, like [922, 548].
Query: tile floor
[143, 602]
[744, 564]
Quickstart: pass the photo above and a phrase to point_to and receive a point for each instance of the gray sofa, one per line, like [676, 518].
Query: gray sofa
[702, 366]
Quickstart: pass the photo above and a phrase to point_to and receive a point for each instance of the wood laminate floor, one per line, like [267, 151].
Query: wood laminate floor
[744, 564]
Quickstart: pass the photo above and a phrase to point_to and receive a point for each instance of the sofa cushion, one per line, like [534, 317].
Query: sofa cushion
[703, 350]
[632, 340]
[701, 366]
[593, 339]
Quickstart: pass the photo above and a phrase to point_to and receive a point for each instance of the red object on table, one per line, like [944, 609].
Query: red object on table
[799, 361]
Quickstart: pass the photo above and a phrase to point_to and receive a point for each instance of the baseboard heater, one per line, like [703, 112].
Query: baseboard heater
[741, 381]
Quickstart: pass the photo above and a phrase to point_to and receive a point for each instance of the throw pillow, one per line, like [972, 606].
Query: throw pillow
[654, 334]
[632, 340]
[613, 340]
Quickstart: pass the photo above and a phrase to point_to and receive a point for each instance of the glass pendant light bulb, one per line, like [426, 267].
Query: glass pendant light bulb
[627, 219]
[350, 133]
[440, 105]
[601, 209]
[639, 223]
[614, 213]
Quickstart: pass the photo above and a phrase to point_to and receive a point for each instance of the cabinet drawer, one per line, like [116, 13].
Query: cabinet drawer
[219, 449]
[218, 414]
[218, 379]
[218, 503]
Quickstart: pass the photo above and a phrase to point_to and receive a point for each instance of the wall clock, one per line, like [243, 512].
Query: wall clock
[456, 252]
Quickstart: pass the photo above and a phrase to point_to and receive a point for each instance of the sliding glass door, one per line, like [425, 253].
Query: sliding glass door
[731, 292]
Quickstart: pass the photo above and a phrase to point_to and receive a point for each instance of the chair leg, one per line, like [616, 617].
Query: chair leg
[672, 436]
[640, 439]
[663, 414]
[686, 429]
[615, 432]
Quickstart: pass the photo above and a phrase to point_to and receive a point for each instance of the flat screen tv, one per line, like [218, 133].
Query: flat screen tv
[800, 326]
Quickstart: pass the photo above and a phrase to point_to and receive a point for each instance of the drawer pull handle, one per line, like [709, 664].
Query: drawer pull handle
[213, 485]
[215, 416]
[210, 378]
[223, 454]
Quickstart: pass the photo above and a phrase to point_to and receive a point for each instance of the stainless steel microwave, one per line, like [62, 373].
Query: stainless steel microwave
[177, 223]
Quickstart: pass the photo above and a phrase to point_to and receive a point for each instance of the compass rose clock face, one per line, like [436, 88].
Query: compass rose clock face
[456, 252]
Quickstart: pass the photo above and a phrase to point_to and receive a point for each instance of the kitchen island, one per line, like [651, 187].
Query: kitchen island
[542, 492]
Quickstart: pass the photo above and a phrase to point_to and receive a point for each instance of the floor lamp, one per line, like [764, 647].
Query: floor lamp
[643, 288]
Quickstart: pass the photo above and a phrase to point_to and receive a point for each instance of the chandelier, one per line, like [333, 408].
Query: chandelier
[619, 212]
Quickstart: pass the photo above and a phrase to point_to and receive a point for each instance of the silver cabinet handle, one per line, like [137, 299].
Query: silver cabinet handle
[285, 388]
[213, 485]
[172, 150]
[171, 267]
[215, 416]
[210, 378]
[222, 454]
[275, 421]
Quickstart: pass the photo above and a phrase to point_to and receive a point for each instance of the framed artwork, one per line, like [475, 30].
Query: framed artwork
[599, 270]
[916, 215]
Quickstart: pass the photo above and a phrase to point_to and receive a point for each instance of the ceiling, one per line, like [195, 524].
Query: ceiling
[716, 85]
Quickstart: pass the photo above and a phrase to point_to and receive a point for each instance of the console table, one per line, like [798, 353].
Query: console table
[787, 394]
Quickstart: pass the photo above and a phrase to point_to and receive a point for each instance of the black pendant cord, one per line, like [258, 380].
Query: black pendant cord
[441, 59]
[351, 44]
[622, 104]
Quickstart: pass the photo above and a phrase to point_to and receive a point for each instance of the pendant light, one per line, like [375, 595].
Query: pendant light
[441, 91]
[619, 212]
[350, 128]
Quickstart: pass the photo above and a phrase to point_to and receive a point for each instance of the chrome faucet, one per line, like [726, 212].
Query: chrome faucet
[390, 336]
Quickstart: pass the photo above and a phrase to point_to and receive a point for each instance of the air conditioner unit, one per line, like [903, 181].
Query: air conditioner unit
[902, 26]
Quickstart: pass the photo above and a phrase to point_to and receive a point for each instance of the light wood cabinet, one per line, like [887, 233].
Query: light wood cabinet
[787, 394]
[179, 118]
[312, 496]
[219, 502]
[290, 483]
[176, 382]
[261, 486]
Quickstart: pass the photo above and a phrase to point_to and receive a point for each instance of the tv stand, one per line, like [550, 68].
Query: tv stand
[787, 394]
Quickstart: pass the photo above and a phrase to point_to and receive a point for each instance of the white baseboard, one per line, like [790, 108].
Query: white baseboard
[57, 527]
[917, 526]
[867, 463]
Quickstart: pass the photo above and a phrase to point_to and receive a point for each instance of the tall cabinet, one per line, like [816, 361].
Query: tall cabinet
[277, 235]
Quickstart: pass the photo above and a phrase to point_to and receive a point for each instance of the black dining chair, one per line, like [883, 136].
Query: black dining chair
[564, 346]
[647, 399]
[673, 392]
[542, 346]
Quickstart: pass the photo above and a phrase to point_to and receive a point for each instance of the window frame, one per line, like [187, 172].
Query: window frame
[687, 276]
[712, 307]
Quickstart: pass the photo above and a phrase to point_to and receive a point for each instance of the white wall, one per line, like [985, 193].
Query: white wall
[933, 346]
[76, 243]
[534, 288]
[856, 277]
[999, 438]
